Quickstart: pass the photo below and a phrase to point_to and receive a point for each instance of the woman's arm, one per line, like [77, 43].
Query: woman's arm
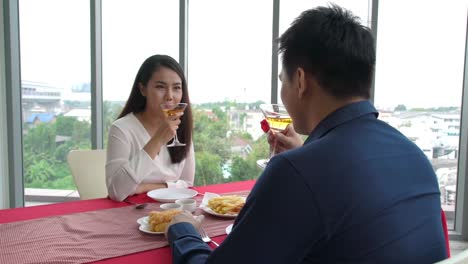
[187, 176]
[124, 172]
[146, 187]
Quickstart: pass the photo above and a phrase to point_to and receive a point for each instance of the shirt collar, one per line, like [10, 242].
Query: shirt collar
[340, 116]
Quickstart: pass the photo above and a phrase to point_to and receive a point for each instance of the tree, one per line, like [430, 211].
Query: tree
[64, 125]
[210, 135]
[400, 108]
[207, 169]
[242, 170]
[44, 160]
[40, 139]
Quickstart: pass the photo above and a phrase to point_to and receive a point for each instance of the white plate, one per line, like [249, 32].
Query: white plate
[143, 220]
[211, 212]
[168, 195]
[144, 225]
[145, 229]
[229, 229]
[204, 206]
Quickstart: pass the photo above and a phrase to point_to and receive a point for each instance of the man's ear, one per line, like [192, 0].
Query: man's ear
[142, 89]
[301, 81]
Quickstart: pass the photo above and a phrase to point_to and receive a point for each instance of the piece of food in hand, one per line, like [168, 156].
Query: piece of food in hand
[158, 221]
[229, 204]
[265, 126]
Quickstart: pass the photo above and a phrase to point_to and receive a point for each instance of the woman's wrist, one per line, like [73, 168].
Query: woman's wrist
[153, 147]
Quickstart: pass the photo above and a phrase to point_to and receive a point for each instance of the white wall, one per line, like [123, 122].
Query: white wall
[4, 193]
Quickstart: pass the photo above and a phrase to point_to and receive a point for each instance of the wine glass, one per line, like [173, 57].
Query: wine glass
[278, 119]
[171, 110]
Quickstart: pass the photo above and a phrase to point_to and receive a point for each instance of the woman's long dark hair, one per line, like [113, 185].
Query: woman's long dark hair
[136, 102]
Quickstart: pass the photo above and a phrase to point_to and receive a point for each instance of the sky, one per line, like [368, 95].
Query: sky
[420, 48]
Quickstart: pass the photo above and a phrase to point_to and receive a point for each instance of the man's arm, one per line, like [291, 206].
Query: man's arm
[186, 244]
[280, 223]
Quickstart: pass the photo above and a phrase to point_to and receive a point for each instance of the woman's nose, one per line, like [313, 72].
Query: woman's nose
[169, 95]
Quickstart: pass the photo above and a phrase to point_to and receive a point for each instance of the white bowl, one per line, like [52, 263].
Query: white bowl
[187, 204]
[170, 206]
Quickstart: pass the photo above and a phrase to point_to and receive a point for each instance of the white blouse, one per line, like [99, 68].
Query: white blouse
[128, 164]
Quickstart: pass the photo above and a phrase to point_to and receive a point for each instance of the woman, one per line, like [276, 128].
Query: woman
[137, 157]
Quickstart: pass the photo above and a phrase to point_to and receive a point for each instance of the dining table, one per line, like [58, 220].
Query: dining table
[97, 230]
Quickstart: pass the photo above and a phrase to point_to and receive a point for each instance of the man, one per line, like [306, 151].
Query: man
[357, 191]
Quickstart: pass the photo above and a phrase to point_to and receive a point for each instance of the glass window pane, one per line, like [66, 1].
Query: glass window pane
[419, 79]
[131, 32]
[55, 73]
[229, 75]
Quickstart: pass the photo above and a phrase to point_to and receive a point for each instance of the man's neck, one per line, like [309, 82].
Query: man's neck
[322, 108]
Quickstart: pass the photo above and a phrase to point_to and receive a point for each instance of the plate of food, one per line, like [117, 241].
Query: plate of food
[143, 220]
[227, 206]
[168, 195]
[147, 229]
[156, 222]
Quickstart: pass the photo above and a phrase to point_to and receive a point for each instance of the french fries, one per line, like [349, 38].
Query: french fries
[230, 204]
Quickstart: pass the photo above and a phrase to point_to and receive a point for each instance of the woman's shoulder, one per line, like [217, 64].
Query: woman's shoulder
[128, 121]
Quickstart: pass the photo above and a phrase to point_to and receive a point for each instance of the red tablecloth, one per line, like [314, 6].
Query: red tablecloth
[161, 255]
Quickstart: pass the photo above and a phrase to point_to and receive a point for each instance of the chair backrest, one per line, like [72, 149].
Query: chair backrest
[446, 235]
[88, 170]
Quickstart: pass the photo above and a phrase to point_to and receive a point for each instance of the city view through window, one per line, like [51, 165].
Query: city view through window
[417, 87]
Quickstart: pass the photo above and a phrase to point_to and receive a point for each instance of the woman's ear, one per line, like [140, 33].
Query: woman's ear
[142, 89]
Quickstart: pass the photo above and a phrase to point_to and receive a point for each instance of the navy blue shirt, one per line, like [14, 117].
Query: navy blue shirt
[357, 191]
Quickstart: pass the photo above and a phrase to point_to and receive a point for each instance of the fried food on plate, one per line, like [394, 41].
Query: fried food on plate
[158, 221]
[229, 204]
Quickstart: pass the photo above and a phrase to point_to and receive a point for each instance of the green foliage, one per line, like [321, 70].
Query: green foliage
[400, 108]
[44, 160]
[207, 169]
[40, 139]
[64, 125]
[243, 135]
[230, 104]
[210, 135]
[39, 171]
[242, 169]
[246, 168]
[436, 109]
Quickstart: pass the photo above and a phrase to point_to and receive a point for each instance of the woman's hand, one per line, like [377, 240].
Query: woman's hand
[168, 128]
[165, 131]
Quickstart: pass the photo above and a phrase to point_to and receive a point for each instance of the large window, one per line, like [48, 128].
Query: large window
[419, 80]
[131, 32]
[229, 75]
[418, 84]
[55, 74]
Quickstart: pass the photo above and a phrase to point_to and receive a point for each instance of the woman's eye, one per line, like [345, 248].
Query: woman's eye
[177, 87]
[159, 86]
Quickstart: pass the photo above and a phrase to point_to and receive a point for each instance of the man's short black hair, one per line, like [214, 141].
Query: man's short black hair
[331, 44]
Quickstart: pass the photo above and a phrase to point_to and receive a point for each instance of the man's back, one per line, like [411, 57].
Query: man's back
[376, 192]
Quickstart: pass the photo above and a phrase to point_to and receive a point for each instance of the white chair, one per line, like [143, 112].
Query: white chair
[459, 258]
[88, 170]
